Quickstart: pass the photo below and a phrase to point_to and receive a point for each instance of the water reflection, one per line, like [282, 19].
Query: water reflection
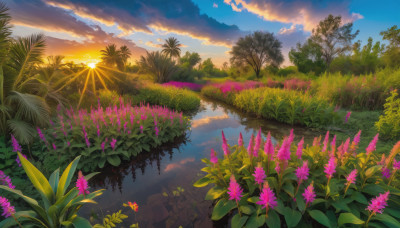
[152, 180]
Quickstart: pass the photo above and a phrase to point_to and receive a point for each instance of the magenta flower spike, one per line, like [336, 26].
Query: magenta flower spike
[250, 146]
[257, 144]
[225, 147]
[347, 117]
[82, 184]
[309, 194]
[386, 173]
[113, 143]
[6, 180]
[54, 146]
[346, 145]
[259, 175]
[269, 147]
[240, 140]
[299, 151]
[103, 145]
[284, 151]
[141, 129]
[326, 142]
[291, 137]
[41, 135]
[379, 203]
[8, 210]
[267, 198]
[234, 190]
[302, 172]
[213, 157]
[15, 145]
[396, 164]
[356, 139]
[223, 138]
[351, 178]
[330, 168]
[19, 161]
[372, 145]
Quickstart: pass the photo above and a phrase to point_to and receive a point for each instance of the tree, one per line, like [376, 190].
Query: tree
[190, 59]
[125, 54]
[333, 38]
[366, 59]
[20, 111]
[308, 57]
[256, 50]
[171, 47]
[391, 56]
[112, 56]
[207, 66]
[159, 65]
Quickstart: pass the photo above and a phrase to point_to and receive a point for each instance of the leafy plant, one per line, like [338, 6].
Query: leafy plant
[389, 123]
[110, 220]
[320, 185]
[59, 207]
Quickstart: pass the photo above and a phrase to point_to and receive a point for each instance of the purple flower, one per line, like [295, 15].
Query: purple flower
[250, 146]
[41, 136]
[8, 210]
[347, 117]
[326, 141]
[269, 147]
[259, 175]
[309, 194]
[257, 144]
[18, 161]
[15, 144]
[372, 145]
[396, 164]
[6, 180]
[240, 140]
[112, 143]
[386, 172]
[351, 178]
[225, 147]
[330, 168]
[103, 145]
[302, 172]
[82, 184]
[213, 157]
[267, 198]
[54, 146]
[299, 151]
[379, 203]
[234, 190]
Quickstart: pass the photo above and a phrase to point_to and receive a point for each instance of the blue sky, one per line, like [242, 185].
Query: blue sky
[78, 29]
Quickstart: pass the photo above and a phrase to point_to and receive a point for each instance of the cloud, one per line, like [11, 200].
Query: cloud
[287, 31]
[299, 12]
[152, 44]
[177, 165]
[181, 17]
[215, 5]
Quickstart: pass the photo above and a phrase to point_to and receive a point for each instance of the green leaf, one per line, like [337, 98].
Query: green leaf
[289, 189]
[215, 193]
[292, 217]
[238, 222]
[346, 218]
[371, 171]
[66, 177]
[373, 189]
[387, 220]
[320, 217]
[273, 220]
[80, 222]
[341, 206]
[359, 197]
[114, 160]
[247, 209]
[54, 179]
[255, 221]
[222, 208]
[202, 182]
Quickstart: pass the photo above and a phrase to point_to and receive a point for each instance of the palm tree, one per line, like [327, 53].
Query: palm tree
[159, 65]
[171, 47]
[20, 111]
[111, 56]
[125, 54]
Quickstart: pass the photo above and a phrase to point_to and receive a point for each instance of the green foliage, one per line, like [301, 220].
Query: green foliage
[334, 206]
[159, 65]
[113, 57]
[171, 97]
[59, 206]
[287, 106]
[110, 220]
[308, 57]
[215, 93]
[389, 123]
[171, 47]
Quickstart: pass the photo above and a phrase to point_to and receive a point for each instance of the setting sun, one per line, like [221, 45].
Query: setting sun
[92, 65]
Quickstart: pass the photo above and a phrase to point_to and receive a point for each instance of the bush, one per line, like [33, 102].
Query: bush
[287, 186]
[108, 136]
[183, 85]
[296, 84]
[172, 97]
[287, 106]
[389, 123]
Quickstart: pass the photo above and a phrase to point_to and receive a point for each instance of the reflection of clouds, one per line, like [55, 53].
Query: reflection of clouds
[179, 164]
[208, 143]
[207, 120]
[213, 123]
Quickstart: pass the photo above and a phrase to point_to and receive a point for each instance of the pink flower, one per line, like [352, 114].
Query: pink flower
[223, 138]
[269, 147]
[8, 210]
[257, 144]
[259, 175]
[330, 167]
[291, 137]
[299, 151]
[103, 145]
[356, 139]
[347, 117]
[54, 146]
[141, 129]
[284, 151]
[346, 145]
[113, 143]
[379, 203]
[18, 161]
[386, 172]
[156, 131]
[213, 157]
[15, 145]
[382, 161]
[396, 164]
[317, 141]
[240, 140]
[98, 131]
[326, 141]
[250, 146]
[267, 198]
[6, 180]
[351, 178]
[234, 190]
[372, 145]
[82, 184]
[309, 194]
[302, 172]
[41, 136]
[225, 147]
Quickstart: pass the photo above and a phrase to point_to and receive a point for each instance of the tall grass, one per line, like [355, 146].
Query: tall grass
[287, 106]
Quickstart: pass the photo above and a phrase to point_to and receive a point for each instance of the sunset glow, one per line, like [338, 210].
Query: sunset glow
[92, 65]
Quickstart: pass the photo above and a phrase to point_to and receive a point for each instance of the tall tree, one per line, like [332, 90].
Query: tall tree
[391, 56]
[159, 65]
[125, 54]
[111, 56]
[308, 57]
[171, 47]
[333, 38]
[256, 50]
[190, 59]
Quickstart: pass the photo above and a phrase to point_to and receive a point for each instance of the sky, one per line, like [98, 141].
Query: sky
[79, 29]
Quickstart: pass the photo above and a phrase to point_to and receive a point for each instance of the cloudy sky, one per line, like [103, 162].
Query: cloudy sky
[78, 29]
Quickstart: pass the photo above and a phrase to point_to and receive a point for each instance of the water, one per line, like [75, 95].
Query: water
[152, 179]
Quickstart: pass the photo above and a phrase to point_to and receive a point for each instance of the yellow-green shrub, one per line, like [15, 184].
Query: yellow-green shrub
[389, 123]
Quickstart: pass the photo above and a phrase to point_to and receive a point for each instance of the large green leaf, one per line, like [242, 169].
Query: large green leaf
[215, 193]
[54, 179]
[349, 218]
[238, 222]
[114, 160]
[80, 222]
[273, 220]
[66, 177]
[222, 208]
[292, 217]
[202, 182]
[255, 221]
[387, 220]
[320, 217]
[21, 216]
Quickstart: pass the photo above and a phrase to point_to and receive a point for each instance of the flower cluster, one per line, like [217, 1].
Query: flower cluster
[6, 180]
[8, 210]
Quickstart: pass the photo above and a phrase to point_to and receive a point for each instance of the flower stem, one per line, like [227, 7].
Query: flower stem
[237, 203]
[16, 220]
[369, 218]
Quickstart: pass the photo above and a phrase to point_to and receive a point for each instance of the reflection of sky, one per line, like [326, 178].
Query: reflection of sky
[185, 165]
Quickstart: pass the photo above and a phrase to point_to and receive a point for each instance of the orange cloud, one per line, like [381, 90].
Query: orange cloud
[177, 165]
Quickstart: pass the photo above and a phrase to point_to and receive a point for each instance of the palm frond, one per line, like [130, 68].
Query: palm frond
[24, 52]
[23, 131]
[30, 108]
[5, 31]
[4, 116]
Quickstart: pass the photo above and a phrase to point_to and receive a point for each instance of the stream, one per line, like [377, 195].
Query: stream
[161, 182]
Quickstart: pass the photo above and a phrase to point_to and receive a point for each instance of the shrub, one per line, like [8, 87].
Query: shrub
[215, 93]
[60, 207]
[287, 106]
[107, 136]
[172, 97]
[183, 85]
[389, 123]
[296, 84]
[287, 186]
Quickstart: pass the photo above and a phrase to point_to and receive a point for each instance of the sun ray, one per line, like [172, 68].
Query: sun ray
[71, 80]
[84, 89]
[101, 79]
[93, 82]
